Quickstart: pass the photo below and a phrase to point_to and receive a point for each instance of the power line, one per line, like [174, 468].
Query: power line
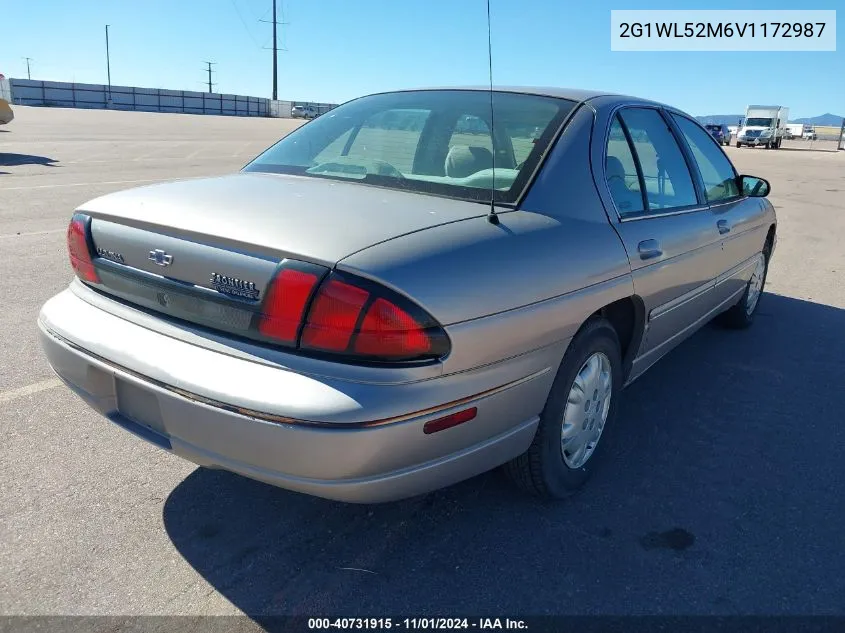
[246, 28]
[209, 64]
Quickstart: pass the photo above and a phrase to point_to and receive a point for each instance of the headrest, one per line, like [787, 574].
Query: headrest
[463, 160]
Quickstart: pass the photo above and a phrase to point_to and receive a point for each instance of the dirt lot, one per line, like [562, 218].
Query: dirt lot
[724, 493]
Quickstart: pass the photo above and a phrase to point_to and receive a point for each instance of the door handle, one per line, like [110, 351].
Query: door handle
[649, 249]
[724, 227]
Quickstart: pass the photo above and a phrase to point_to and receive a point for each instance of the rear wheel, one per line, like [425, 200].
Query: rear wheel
[741, 315]
[581, 404]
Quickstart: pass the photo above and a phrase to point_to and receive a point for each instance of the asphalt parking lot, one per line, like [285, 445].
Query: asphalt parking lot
[723, 492]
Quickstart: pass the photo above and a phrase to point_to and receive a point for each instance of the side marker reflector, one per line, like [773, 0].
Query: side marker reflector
[440, 424]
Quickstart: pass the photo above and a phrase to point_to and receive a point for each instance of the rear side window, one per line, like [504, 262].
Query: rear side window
[667, 179]
[716, 170]
[621, 172]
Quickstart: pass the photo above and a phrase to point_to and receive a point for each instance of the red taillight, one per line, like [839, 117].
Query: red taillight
[331, 322]
[346, 316]
[285, 304]
[441, 424]
[387, 330]
[80, 251]
[363, 320]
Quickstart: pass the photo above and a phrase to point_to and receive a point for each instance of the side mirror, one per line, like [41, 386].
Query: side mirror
[754, 187]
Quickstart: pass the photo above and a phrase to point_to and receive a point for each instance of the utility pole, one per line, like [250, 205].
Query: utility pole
[275, 23]
[209, 64]
[108, 62]
[275, 57]
[842, 135]
[28, 59]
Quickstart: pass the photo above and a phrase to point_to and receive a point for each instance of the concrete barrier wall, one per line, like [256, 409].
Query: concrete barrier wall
[73, 95]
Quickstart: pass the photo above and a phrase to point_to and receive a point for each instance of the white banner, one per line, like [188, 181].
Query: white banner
[728, 30]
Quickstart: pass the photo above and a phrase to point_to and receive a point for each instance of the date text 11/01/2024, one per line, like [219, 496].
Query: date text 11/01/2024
[721, 29]
[416, 623]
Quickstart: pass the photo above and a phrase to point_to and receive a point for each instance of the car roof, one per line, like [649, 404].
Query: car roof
[574, 94]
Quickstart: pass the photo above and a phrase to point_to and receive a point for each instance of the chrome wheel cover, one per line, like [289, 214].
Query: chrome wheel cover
[755, 286]
[586, 410]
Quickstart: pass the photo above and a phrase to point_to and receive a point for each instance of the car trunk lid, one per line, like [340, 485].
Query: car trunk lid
[275, 215]
[207, 250]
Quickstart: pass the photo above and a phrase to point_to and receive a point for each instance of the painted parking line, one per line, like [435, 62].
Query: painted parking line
[81, 184]
[48, 232]
[35, 387]
[101, 182]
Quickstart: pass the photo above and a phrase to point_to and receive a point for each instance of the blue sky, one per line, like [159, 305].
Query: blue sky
[340, 49]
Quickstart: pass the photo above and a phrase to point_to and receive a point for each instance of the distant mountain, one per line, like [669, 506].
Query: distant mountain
[823, 119]
[733, 119]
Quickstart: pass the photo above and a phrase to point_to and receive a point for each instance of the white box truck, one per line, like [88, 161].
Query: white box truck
[763, 125]
[794, 130]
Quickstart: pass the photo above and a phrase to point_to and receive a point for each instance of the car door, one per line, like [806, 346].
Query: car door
[741, 220]
[672, 241]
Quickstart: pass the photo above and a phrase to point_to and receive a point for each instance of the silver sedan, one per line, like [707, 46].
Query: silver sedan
[412, 289]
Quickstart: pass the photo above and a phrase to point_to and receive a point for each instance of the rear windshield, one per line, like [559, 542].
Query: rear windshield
[435, 141]
[714, 128]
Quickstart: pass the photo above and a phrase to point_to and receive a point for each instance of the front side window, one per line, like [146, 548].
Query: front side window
[667, 179]
[429, 141]
[717, 173]
[621, 173]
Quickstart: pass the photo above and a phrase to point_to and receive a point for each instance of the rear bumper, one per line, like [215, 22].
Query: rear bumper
[164, 404]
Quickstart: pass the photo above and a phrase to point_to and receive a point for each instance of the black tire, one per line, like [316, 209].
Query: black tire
[738, 144]
[737, 317]
[541, 470]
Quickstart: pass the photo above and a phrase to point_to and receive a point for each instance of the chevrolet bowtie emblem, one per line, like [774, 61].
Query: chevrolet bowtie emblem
[160, 257]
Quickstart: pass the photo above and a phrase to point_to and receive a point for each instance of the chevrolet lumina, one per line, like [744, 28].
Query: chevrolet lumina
[408, 291]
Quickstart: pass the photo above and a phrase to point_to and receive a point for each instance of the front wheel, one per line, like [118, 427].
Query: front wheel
[581, 404]
[738, 144]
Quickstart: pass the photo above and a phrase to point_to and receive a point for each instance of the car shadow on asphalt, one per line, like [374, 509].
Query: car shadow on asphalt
[718, 489]
[14, 160]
